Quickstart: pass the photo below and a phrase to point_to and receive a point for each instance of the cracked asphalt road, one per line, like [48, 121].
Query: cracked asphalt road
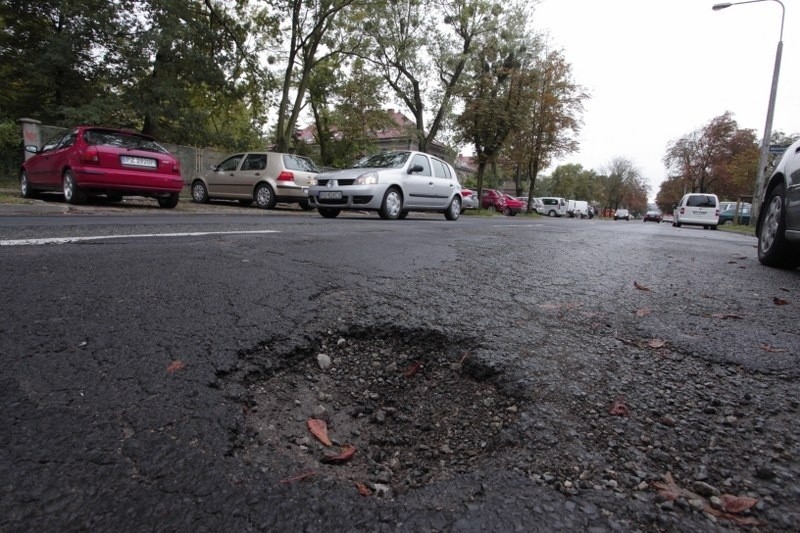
[104, 430]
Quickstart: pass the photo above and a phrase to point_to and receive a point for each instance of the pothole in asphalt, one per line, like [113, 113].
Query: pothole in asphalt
[408, 402]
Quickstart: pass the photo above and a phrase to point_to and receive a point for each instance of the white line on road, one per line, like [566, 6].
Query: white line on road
[67, 240]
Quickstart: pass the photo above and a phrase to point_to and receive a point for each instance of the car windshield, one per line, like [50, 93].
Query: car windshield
[384, 160]
[296, 162]
[129, 141]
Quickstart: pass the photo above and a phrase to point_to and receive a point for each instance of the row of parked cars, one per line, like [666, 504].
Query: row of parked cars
[92, 161]
[96, 161]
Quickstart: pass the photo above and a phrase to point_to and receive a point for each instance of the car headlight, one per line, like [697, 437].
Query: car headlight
[370, 178]
[312, 182]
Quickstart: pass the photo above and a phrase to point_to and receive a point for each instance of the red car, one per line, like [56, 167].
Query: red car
[88, 161]
[497, 201]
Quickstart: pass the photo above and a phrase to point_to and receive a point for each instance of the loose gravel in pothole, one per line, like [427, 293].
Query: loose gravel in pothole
[406, 403]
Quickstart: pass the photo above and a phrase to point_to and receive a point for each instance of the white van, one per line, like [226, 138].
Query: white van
[578, 208]
[697, 209]
[553, 206]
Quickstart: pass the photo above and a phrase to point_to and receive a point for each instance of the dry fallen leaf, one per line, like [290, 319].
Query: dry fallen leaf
[175, 366]
[363, 489]
[737, 504]
[780, 301]
[656, 343]
[772, 349]
[413, 369]
[640, 286]
[345, 454]
[725, 316]
[299, 477]
[319, 428]
[619, 407]
[644, 311]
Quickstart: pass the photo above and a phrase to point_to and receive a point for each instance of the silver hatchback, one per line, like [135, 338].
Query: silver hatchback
[391, 183]
[265, 178]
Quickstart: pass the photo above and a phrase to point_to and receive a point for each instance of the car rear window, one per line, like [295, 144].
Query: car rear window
[295, 162]
[130, 141]
[701, 200]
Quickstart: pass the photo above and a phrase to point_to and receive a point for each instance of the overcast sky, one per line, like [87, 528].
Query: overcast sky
[658, 70]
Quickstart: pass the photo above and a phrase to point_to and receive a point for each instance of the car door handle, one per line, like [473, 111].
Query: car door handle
[430, 183]
[258, 173]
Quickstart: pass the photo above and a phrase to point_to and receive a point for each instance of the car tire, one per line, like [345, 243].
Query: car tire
[551, 213]
[773, 248]
[453, 211]
[265, 196]
[507, 211]
[391, 205]
[245, 203]
[305, 205]
[72, 193]
[728, 223]
[168, 202]
[403, 215]
[25, 189]
[329, 212]
[199, 192]
[113, 197]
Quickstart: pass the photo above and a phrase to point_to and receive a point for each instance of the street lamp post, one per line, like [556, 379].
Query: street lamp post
[762, 160]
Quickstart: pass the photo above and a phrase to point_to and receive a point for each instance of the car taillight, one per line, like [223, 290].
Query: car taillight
[717, 212]
[466, 194]
[285, 176]
[682, 210]
[90, 155]
[176, 168]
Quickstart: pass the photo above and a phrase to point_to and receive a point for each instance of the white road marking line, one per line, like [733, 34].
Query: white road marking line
[68, 240]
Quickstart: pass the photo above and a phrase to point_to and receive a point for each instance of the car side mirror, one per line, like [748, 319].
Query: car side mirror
[415, 168]
[32, 148]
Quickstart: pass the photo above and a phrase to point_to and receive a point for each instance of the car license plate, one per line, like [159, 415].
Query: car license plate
[330, 195]
[133, 161]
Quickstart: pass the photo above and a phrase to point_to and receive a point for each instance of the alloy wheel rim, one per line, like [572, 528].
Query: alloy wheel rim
[197, 192]
[770, 230]
[393, 204]
[263, 196]
[68, 187]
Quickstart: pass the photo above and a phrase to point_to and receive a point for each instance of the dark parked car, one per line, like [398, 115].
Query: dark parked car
[622, 214]
[778, 227]
[93, 161]
[652, 216]
[728, 217]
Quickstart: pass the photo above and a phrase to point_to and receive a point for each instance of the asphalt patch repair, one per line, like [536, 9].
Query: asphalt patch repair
[401, 410]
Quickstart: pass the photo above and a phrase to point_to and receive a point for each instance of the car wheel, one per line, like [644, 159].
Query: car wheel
[305, 205]
[728, 223]
[773, 249]
[453, 210]
[72, 193]
[551, 213]
[24, 186]
[329, 212]
[403, 215]
[392, 204]
[199, 192]
[113, 197]
[168, 202]
[507, 211]
[245, 203]
[265, 196]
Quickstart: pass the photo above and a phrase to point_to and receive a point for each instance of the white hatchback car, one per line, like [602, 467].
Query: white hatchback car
[391, 183]
[697, 209]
